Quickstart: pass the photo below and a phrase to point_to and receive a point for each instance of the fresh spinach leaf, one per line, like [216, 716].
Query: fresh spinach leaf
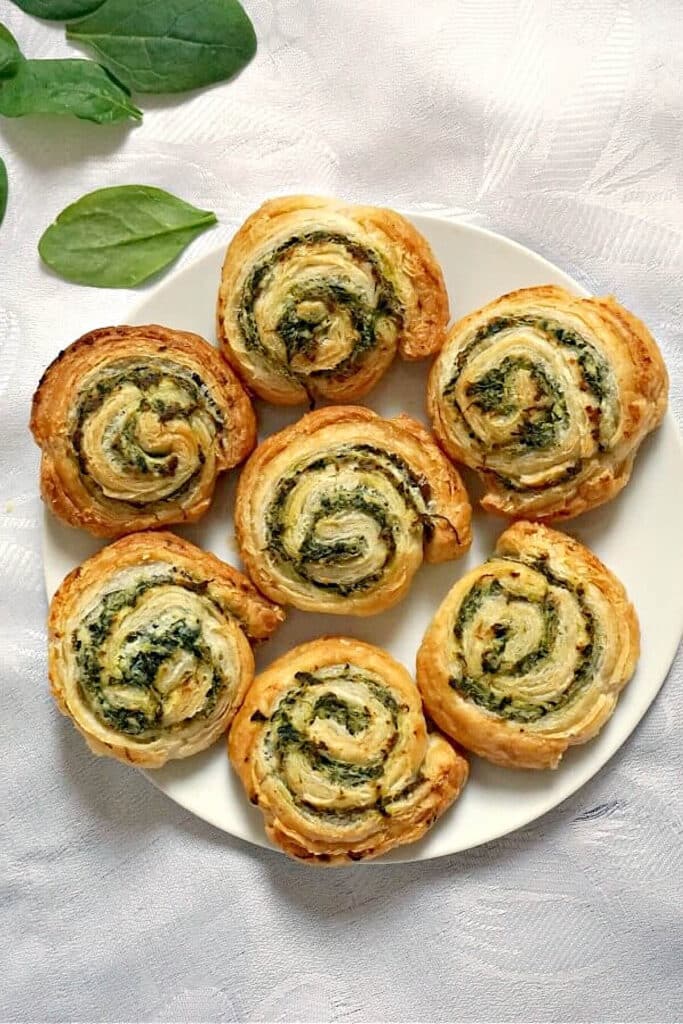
[168, 45]
[118, 237]
[81, 88]
[3, 189]
[58, 10]
[10, 54]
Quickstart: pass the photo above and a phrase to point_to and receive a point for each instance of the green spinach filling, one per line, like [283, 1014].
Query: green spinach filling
[311, 306]
[544, 420]
[315, 552]
[481, 690]
[283, 738]
[122, 445]
[125, 695]
[353, 719]
[495, 392]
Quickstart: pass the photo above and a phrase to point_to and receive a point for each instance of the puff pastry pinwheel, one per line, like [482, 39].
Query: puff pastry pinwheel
[331, 745]
[335, 513]
[149, 647]
[317, 296]
[548, 397]
[135, 423]
[528, 653]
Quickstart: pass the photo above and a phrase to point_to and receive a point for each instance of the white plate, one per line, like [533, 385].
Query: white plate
[636, 535]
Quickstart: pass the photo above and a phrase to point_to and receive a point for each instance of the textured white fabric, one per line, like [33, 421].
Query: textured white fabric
[556, 123]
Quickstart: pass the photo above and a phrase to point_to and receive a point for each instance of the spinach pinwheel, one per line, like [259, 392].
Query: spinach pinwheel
[135, 424]
[528, 653]
[548, 396]
[149, 647]
[317, 296]
[331, 745]
[336, 513]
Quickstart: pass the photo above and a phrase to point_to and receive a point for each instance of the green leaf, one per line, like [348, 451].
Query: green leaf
[118, 237]
[58, 10]
[78, 87]
[10, 54]
[3, 189]
[168, 45]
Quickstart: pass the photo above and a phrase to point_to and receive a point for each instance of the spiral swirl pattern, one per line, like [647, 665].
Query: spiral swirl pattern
[317, 297]
[148, 647]
[337, 512]
[135, 425]
[331, 744]
[548, 397]
[528, 652]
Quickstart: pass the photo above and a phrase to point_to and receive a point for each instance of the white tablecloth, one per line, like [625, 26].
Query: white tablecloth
[556, 123]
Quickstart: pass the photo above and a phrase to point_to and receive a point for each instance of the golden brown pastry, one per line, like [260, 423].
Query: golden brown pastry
[331, 745]
[135, 424]
[317, 296]
[149, 647]
[528, 653]
[336, 513]
[548, 397]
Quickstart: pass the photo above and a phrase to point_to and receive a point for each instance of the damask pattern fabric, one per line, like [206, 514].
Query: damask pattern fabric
[557, 124]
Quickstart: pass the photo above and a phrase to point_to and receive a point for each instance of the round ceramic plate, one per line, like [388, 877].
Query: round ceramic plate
[478, 266]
